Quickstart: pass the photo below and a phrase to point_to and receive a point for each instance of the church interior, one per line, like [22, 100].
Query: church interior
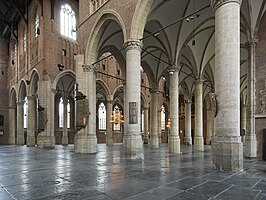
[136, 99]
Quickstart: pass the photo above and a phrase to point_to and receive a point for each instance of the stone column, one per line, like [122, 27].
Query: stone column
[146, 125]
[188, 138]
[243, 121]
[133, 140]
[85, 139]
[31, 126]
[198, 138]
[12, 125]
[20, 127]
[154, 141]
[46, 139]
[227, 145]
[250, 138]
[109, 131]
[125, 113]
[209, 125]
[65, 131]
[159, 126]
[174, 139]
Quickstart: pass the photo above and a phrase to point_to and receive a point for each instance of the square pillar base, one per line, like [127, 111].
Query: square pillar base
[133, 144]
[174, 144]
[228, 156]
[45, 142]
[85, 143]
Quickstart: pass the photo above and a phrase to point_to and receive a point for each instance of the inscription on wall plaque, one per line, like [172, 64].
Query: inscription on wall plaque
[1, 120]
[133, 113]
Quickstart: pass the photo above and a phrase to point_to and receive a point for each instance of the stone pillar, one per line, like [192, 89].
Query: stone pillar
[209, 125]
[198, 138]
[243, 121]
[46, 139]
[12, 125]
[250, 138]
[159, 126]
[133, 140]
[146, 125]
[31, 126]
[85, 139]
[154, 141]
[227, 145]
[125, 113]
[109, 131]
[65, 131]
[174, 139]
[188, 138]
[20, 127]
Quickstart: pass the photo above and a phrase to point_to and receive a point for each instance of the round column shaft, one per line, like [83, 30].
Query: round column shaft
[31, 121]
[174, 139]
[12, 125]
[132, 139]
[109, 131]
[198, 138]
[227, 146]
[146, 125]
[188, 138]
[154, 142]
[65, 132]
[20, 127]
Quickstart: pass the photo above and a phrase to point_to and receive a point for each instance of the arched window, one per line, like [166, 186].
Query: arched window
[61, 113]
[102, 116]
[25, 111]
[142, 120]
[67, 22]
[68, 114]
[36, 25]
[25, 40]
[162, 118]
[117, 117]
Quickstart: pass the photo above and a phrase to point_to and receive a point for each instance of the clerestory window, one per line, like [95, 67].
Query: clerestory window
[68, 22]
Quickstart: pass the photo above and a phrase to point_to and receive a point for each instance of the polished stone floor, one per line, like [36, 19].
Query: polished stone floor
[31, 173]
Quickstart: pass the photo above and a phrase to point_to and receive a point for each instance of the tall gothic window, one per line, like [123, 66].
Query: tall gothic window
[142, 120]
[25, 40]
[67, 22]
[61, 113]
[68, 114]
[163, 117]
[36, 25]
[102, 116]
[25, 111]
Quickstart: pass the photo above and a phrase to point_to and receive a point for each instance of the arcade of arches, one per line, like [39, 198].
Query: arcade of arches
[115, 72]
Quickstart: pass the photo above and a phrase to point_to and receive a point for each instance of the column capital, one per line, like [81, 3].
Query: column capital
[89, 68]
[20, 103]
[253, 42]
[198, 81]
[188, 101]
[174, 68]
[30, 98]
[110, 99]
[12, 107]
[218, 3]
[133, 44]
[145, 108]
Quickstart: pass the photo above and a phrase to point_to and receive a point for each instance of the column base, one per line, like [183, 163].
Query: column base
[188, 141]
[20, 140]
[145, 140]
[45, 142]
[11, 140]
[154, 142]
[250, 146]
[199, 143]
[133, 144]
[85, 143]
[228, 156]
[64, 141]
[174, 144]
[30, 140]
[109, 142]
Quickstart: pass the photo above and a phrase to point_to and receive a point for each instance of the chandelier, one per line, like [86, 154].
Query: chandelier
[168, 125]
[116, 117]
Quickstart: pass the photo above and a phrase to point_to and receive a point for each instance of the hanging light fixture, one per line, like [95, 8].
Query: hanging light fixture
[117, 117]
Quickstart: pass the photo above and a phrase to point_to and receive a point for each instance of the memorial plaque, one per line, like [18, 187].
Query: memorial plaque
[133, 113]
[82, 113]
[1, 120]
